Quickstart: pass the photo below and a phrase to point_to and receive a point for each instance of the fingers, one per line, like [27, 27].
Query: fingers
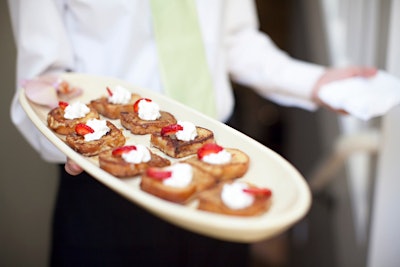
[72, 168]
[359, 71]
[336, 74]
[368, 72]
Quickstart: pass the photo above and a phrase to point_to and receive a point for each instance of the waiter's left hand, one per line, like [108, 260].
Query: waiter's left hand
[335, 74]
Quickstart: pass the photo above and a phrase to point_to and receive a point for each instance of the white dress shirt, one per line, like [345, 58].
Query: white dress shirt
[115, 38]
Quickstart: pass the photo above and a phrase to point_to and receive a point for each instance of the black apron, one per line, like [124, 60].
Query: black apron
[94, 226]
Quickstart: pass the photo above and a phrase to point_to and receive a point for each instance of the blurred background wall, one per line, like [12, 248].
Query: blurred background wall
[27, 184]
[326, 237]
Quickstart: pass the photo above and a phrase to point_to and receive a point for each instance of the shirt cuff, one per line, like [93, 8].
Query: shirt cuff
[295, 84]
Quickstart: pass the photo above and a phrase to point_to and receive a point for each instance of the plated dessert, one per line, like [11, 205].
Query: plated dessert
[117, 99]
[66, 116]
[181, 139]
[189, 164]
[95, 136]
[222, 163]
[146, 117]
[235, 198]
[291, 196]
[177, 183]
[130, 160]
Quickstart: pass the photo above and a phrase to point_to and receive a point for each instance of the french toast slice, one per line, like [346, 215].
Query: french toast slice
[132, 122]
[63, 126]
[178, 149]
[114, 138]
[210, 200]
[236, 168]
[200, 182]
[110, 110]
[117, 166]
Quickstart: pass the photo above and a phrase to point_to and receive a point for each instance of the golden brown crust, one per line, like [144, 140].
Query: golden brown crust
[110, 110]
[132, 122]
[210, 200]
[60, 125]
[114, 138]
[178, 149]
[200, 182]
[236, 168]
[118, 167]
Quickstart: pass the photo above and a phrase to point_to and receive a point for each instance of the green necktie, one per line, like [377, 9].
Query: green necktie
[184, 70]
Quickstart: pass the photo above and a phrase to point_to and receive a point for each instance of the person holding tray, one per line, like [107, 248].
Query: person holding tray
[93, 226]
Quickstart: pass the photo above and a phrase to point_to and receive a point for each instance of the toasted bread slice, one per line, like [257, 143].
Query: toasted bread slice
[210, 200]
[200, 182]
[236, 168]
[132, 122]
[114, 138]
[63, 126]
[118, 167]
[178, 149]
[112, 111]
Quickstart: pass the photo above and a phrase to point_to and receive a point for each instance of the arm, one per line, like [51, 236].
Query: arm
[255, 61]
[42, 47]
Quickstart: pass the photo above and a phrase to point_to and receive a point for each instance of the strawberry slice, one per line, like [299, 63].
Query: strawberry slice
[83, 129]
[258, 191]
[171, 129]
[110, 93]
[158, 173]
[62, 104]
[123, 149]
[136, 105]
[64, 87]
[207, 149]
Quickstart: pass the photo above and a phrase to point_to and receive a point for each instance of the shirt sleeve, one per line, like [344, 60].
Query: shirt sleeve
[42, 47]
[255, 61]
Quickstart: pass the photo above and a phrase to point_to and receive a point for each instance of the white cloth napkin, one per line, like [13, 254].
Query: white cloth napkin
[364, 98]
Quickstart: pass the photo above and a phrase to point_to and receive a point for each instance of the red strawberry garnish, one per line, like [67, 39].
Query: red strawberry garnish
[207, 149]
[136, 105]
[64, 88]
[62, 104]
[158, 173]
[123, 149]
[258, 191]
[83, 129]
[171, 129]
[110, 93]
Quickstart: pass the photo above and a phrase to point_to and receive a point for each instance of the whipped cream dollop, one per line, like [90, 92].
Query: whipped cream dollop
[182, 174]
[76, 110]
[148, 110]
[188, 133]
[100, 129]
[222, 157]
[232, 196]
[120, 95]
[138, 155]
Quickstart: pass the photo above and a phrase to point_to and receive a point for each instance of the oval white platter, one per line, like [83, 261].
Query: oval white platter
[291, 197]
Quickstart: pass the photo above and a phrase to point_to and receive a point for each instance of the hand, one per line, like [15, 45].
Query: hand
[72, 168]
[335, 74]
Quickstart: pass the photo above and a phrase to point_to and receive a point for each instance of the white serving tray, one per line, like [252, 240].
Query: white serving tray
[291, 197]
